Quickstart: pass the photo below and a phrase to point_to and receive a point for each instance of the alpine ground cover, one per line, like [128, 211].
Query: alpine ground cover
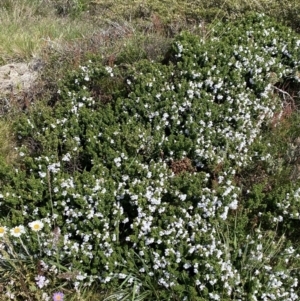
[30, 26]
[163, 173]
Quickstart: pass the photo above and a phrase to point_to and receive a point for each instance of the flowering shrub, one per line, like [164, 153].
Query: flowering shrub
[140, 170]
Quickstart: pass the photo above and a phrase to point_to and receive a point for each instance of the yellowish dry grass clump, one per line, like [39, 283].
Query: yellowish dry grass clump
[28, 26]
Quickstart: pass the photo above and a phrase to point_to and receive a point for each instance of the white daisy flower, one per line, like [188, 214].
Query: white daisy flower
[17, 231]
[3, 230]
[36, 226]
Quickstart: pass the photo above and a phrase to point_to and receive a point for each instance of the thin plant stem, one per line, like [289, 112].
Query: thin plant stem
[39, 242]
[24, 247]
[50, 193]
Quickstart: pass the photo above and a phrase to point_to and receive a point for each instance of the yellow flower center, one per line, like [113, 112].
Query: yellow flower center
[17, 230]
[2, 230]
[36, 227]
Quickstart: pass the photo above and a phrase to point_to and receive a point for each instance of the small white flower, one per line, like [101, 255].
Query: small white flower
[3, 230]
[66, 157]
[42, 174]
[80, 277]
[182, 197]
[17, 231]
[233, 205]
[45, 297]
[41, 281]
[55, 167]
[36, 226]
[10, 295]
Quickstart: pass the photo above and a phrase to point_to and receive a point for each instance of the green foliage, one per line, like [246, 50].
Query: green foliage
[146, 170]
[7, 143]
[70, 7]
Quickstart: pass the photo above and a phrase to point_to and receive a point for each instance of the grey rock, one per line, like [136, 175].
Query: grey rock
[17, 78]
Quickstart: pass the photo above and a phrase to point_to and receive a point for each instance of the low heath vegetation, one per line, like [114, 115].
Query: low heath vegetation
[172, 178]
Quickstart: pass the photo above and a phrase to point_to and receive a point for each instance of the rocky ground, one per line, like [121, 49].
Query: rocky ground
[16, 80]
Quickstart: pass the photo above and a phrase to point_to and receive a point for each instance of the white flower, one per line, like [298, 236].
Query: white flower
[3, 230]
[41, 281]
[42, 174]
[182, 197]
[10, 295]
[36, 226]
[55, 167]
[45, 297]
[66, 157]
[17, 231]
[233, 205]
